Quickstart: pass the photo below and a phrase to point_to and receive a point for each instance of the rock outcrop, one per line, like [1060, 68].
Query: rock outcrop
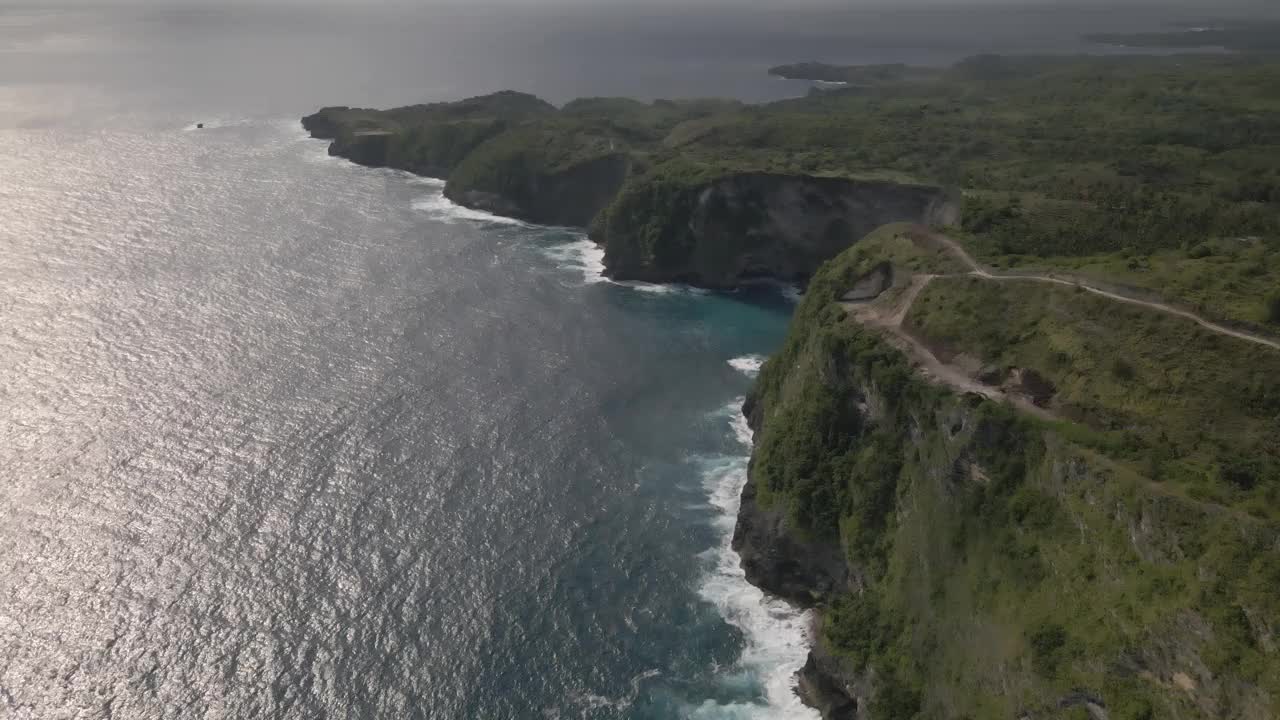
[778, 560]
[754, 226]
[326, 123]
[371, 148]
[831, 687]
[508, 153]
[570, 197]
[514, 155]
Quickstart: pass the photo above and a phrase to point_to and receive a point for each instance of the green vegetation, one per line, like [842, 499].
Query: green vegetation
[1245, 36]
[1010, 564]
[1225, 279]
[1064, 162]
[440, 136]
[428, 139]
[860, 75]
[1155, 386]
[1155, 172]
[906, 249]
[510, 163]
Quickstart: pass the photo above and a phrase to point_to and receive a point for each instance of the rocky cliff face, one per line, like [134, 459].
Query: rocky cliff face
[513, 155]
[508, 164]
[799, 569]
[570, 197]
[371, 148]
[324, 124]
[755, 226]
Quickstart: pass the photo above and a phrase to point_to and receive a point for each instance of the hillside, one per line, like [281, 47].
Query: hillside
[1019, 448]
[1083, 524]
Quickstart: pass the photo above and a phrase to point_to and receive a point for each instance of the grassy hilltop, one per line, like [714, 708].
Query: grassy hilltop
[1115, 552]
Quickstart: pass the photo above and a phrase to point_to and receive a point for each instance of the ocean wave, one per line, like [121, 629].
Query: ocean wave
[588, 702]
[580, 255]
[661, 288]
[587, 257]
[776, 633]
[444, 210]
[748, 365]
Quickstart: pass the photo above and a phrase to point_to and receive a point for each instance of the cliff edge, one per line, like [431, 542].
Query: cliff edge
[724, 231]
[1004, 564]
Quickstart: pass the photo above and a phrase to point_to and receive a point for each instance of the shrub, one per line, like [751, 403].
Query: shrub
[1273, 309]
[1122, 369]
[1047, 642]
[895, 699]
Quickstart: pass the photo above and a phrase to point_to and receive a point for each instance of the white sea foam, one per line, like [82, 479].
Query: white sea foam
[661, 288]
[582, 256]
[587, 257]
[776, 633]
[748, 365]
[444, 210]
[588, 702]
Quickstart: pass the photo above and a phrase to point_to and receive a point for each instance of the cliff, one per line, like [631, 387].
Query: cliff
[428, 140]
[724, 231]
[1159, 172]
[591, 164]
[514, 154]
[553, 173]
[994, 563]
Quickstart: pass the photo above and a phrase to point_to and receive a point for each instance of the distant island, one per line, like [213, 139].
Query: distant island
[1257, 36]
[1019, 450]
[856, 74]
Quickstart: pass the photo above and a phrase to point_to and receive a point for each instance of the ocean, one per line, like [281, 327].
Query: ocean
[284, 437]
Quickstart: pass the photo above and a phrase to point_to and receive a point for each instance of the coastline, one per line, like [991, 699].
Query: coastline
[778, 633]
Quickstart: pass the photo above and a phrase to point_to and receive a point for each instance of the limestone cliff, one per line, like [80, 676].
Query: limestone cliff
[508, 153]
[738, 228]
[596, 164]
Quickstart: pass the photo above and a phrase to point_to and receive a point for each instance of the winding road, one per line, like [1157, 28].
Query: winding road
[890, 316]
[977, 270]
